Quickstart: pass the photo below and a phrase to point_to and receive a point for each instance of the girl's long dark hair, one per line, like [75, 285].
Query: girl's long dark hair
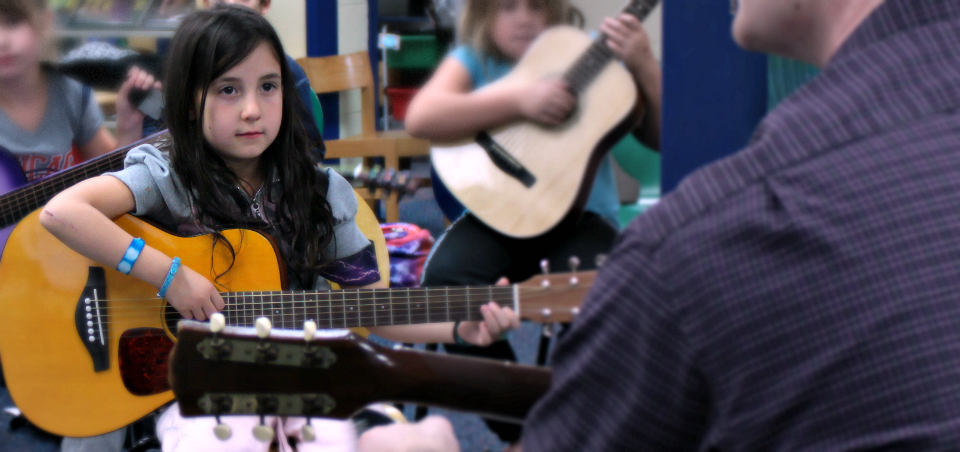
[206, 45]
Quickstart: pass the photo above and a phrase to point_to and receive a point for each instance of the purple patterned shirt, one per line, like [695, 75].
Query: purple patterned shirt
[801, 294]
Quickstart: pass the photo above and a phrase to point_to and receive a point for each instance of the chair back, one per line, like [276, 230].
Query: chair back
[338, 73]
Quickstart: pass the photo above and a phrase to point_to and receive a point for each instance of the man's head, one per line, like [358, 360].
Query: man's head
[806, 30]
[260, 6]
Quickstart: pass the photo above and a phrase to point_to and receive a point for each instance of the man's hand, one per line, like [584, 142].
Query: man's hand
[433, 434]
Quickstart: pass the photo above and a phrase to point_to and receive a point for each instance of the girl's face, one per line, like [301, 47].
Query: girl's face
[517, 24]
[20, 48]
[244, 110]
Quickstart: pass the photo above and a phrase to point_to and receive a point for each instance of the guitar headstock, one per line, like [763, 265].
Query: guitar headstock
[387, 180]
[280, 372]
[221, 371]
[557, 297]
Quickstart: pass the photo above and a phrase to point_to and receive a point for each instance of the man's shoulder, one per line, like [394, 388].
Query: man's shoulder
[700, 197]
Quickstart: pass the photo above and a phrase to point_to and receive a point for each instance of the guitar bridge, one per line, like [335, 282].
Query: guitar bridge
[503, 160]
[90, 318]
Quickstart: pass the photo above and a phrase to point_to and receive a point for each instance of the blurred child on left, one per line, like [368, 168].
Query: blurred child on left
[48, 121]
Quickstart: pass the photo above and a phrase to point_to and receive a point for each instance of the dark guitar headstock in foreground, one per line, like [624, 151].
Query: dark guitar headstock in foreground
[334, 374]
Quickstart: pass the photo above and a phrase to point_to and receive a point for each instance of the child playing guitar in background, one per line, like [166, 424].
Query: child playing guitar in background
[495, 34]
[50, 122]
[240, 159]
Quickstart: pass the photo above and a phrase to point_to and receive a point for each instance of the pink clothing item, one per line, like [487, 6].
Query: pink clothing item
[180, 434]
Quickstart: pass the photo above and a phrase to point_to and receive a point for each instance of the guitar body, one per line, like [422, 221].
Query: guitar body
[48, 368]
[11, 177]
[563, 159]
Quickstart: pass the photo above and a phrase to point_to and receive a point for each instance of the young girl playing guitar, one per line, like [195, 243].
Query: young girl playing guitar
[495, 34]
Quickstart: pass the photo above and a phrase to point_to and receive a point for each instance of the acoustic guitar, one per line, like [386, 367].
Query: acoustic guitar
[524, 179]
[334, 374]
[85, 347]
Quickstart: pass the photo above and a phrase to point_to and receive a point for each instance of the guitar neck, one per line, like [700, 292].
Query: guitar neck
[336, 374]
[365, 307]
[17, 204]
[596, 57]
[494, 389]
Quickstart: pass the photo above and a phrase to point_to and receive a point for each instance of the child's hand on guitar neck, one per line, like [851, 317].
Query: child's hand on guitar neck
[627, 38]
[497, 321]
[193, 296]
[548, 102]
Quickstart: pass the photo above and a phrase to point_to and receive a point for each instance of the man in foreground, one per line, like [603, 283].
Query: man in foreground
[802, 293]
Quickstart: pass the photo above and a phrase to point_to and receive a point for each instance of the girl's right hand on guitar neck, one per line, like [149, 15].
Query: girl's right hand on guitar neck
[548, 102]
[194, 296]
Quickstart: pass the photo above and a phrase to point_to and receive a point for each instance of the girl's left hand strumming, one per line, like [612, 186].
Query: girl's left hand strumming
[497, 321]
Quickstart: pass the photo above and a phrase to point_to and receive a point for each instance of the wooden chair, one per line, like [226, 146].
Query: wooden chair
[344, 72]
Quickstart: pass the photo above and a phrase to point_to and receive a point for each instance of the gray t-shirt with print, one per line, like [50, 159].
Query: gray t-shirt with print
[159, 196]
[70, 120]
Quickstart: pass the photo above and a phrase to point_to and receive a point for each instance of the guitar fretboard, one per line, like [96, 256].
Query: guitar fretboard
[364, 307]
[596, 57]
[17, 204]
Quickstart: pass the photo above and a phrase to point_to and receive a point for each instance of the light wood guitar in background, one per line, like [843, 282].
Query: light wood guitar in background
[525, 179]
[85, 347]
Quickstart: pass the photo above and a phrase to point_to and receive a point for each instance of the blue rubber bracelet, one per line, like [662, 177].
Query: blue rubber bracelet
[130, 256]
[170, 274]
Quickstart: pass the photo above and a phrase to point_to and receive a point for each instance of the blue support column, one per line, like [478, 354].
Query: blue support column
[322, 41]
[714, 93]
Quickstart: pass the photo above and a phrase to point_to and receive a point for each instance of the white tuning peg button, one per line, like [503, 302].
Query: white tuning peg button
[263, 327]
[222, 432]
[263, 433]
[309, 433]
[217, 322]
[309, 330]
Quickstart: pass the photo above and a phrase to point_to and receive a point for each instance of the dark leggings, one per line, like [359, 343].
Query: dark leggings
[471, 253]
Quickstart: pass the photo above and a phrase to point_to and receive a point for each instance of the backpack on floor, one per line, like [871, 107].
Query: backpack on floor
[408, 247]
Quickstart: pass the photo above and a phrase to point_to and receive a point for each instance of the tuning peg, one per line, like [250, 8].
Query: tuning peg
[600, 259]
[308, 432]
[266, 352]
[574, 262]
[546, 330]
[263, 432]
[545, 268]
[309, 330]
[217, 322]
[222, 431]
[263, 327]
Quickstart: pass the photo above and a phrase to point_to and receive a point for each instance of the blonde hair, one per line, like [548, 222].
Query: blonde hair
[475, 28]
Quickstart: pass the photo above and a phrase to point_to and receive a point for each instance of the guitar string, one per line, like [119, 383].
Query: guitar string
[342, 304]
[339, 308]
[400, 296]
[381, 294]
[322, 317]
